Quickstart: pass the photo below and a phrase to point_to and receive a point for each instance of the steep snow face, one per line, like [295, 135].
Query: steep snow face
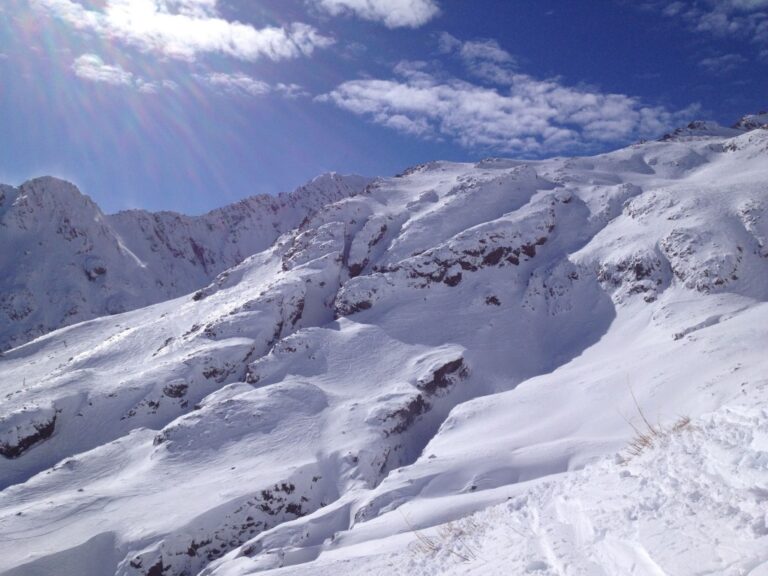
[63, 261]
[402, 358]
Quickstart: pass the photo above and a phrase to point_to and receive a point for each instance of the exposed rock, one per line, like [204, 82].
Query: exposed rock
[22, 431]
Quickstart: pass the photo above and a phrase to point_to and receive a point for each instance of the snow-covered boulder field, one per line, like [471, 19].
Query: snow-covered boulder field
[509, 367]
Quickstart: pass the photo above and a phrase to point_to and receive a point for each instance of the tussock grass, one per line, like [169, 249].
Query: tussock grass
[648, 435]
[451, 538]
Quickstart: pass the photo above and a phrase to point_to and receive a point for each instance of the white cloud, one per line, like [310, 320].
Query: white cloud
[475, 50]
[91, 67]
[392, 13]
[529, 116]
[291, 90]
[746, 19]
[239, 84]
[722, 64]
[185, 28]
[484, 59]
[236, 84]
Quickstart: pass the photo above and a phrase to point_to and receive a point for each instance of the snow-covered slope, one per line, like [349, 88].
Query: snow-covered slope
[693, 504]
[64, 261]
[451, 338]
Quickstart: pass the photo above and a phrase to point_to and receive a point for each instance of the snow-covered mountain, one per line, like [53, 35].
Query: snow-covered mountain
[504, 367]
[64, 261]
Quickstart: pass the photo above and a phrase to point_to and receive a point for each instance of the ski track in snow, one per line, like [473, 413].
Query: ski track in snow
[437, 373]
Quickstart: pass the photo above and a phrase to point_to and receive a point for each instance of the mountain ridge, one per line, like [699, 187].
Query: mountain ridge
[85, 264]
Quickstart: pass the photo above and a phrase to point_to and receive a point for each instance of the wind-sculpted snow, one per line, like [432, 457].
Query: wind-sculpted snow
[395, 360]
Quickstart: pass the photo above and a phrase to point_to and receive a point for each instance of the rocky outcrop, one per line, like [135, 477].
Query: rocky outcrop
[21, 431]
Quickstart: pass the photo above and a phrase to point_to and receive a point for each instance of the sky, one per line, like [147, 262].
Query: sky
[188, 105]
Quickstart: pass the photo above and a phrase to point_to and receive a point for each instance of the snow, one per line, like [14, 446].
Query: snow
[440, 373]
[695, 503]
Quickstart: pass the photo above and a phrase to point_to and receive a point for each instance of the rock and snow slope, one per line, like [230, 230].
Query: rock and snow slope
[446, 340]
[63, 261]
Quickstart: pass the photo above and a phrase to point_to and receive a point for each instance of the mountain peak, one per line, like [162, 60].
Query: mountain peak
[55, 194]
[50, 185]
[335, 181]
[700, 129]
[752, 121]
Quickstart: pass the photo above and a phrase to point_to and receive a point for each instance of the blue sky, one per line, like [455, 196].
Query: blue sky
[191, 104]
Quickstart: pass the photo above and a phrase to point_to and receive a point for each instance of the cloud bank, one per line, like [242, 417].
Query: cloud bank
[522, 115]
